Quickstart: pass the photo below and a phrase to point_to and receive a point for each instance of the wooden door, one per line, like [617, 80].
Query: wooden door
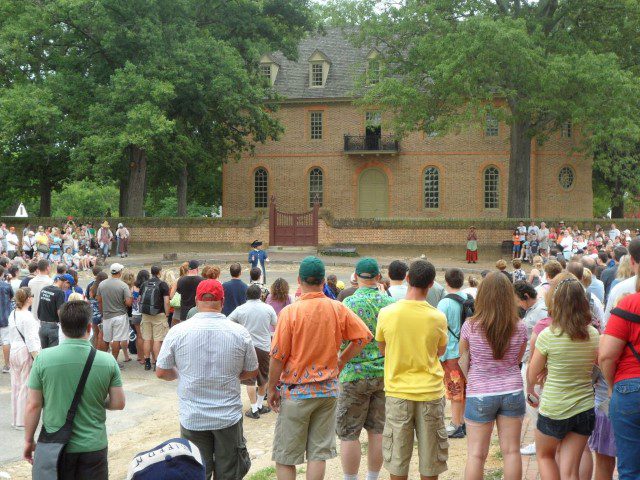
[373, 194]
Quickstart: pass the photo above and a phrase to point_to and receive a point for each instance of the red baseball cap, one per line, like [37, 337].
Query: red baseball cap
[210, 287]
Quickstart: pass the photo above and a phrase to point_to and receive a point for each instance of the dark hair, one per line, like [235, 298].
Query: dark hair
[96, 271]
[524, 290]
[254, 292]
[1, 271]
[454, 277]
[398, 270]
[255, 273]
[634, 249]
[620, 252]
[4, 261]
[142, 277]
[33, 266]
[75, 317]
[235, 269]
[421, 274]
[94, 287]
[603, 256]
[155, 270]
[61, 269]
[13, 270]
[43, 265]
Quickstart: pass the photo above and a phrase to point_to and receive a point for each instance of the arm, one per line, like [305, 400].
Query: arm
[99, 298]
[168, 375]
[610, 350]
[275, 370]
[247, 375]
[463, 346]
[382, 346]
[354, 348]
[115, 400]
[166, 305]
[536, 367]
[31, 420]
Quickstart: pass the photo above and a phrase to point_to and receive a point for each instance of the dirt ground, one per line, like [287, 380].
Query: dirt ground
[151, 415]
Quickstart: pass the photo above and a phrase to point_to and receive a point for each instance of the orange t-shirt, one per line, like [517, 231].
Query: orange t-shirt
[308, 337]
[516, 239]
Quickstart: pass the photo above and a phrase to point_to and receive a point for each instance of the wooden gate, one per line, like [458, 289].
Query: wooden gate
[293, 229]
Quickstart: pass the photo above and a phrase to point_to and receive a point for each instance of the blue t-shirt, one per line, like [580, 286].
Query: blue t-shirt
[6, 294]
[453, 312]
[235, 294]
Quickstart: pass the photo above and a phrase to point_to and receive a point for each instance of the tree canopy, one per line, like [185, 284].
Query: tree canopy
[132, 89]
[533, 64]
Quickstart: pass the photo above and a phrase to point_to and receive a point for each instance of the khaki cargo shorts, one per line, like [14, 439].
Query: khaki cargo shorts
[403, 417]
[154, 327]
[361, 404]
[305, 426]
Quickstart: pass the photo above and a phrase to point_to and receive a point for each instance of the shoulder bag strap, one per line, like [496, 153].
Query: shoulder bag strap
[15, 320]
[83, 380]
[630, 317]
[458, 299]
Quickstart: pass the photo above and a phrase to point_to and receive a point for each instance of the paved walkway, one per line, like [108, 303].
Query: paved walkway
[529, 462]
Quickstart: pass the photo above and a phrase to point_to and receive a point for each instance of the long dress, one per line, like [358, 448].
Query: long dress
[472, 248]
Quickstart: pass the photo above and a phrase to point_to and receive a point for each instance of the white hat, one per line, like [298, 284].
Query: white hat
[116, 267]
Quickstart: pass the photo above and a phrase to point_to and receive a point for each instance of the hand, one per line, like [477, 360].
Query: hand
[274, 399]
[340, 364]
[532, 393]
[542, 377]
[29, 447]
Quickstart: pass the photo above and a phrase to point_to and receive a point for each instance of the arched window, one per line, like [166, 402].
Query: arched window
[431, 187]
[315, 187]
[491, 187]
[260, 188]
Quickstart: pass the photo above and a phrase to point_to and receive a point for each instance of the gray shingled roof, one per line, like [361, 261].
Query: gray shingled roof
[347, 64]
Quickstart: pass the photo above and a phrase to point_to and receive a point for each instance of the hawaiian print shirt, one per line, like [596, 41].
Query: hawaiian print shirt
[366, 302]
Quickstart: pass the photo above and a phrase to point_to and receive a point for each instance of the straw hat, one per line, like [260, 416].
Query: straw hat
[105, 224]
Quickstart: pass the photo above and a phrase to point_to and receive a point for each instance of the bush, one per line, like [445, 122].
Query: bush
[85, 198]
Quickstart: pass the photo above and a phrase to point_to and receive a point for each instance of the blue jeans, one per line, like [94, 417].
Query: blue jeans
[487, 408]
[624, 412]
[105, 249]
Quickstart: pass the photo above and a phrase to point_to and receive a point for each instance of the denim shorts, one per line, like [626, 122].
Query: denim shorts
[583, 424]
[486, 409]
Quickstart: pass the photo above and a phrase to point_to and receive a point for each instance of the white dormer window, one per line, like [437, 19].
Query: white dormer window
[318, 69]
[268, 69]
[317, 75]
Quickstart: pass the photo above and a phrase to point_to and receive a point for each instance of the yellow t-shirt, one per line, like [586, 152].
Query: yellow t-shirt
[412, 331]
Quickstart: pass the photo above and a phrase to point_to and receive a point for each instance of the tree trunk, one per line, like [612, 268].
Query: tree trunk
[45, 197]
[134, 202]
[123, 197]
[617, 201]
[519, 201]
[182, 191]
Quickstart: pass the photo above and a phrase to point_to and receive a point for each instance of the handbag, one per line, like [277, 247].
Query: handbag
[42, 248]
[50, 445]
[175, 300]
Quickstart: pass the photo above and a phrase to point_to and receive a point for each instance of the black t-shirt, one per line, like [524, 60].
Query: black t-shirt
[25, 281]
[51, 299]
[187, 289]
[235, 294]
[163, 287]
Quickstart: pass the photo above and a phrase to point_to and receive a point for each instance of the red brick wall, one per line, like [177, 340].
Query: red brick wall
[461, 158]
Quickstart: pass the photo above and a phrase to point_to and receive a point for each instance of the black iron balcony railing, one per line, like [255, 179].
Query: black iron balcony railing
[370, 143]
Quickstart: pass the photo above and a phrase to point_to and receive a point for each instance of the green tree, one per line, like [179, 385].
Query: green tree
[85, 198]
[533, 64]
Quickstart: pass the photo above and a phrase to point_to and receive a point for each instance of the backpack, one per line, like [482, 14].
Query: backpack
[151, 301]
[468, 309]
[629, 317]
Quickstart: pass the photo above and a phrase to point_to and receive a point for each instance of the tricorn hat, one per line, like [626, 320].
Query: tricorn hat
[256, 243]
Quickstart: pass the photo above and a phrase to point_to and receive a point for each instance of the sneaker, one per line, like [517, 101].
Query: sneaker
[451, 428]
[5, 369]
[147, 364]
[459, 432]
[263, 410]
[528, 450]
[251, 414]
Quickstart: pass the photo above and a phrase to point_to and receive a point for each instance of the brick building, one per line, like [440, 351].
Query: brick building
[343, 154]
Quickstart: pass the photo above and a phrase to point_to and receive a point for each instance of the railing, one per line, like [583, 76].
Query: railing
[370, 143]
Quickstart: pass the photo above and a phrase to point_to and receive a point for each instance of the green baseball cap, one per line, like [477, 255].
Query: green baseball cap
[367, 268]
[311, 267]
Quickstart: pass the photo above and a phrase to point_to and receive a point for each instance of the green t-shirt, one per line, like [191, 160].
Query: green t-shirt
[568, 389]
[56, 372]
[366, 302]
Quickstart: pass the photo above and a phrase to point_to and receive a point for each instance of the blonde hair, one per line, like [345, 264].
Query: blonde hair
[211, 272]
[496, 312]
[168, 276]
[586, 277]
[129, 278]
[624, 268]
[184, 268]
[75, 296]
[501, 264]
[537, 262]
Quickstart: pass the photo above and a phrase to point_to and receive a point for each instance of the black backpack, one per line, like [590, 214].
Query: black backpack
[468, 309]
[151, 302]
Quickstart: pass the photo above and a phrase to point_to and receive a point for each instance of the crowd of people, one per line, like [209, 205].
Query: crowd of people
[558, 344]
[76, 246]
